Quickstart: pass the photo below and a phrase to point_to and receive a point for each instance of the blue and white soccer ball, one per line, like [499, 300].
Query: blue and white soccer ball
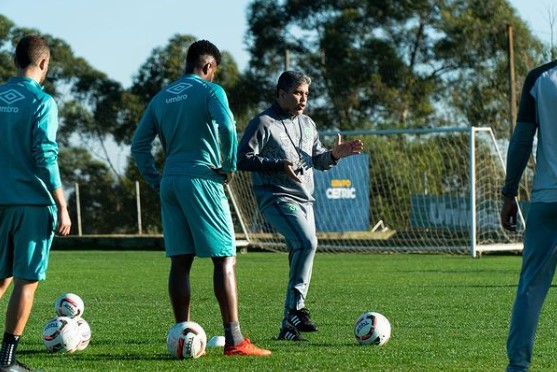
[61, 334]
[186, 340]
[372, 328]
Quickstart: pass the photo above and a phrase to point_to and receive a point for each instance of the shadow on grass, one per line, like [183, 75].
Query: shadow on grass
[84, 356]
[458, 271]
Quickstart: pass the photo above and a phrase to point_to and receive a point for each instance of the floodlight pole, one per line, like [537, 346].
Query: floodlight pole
[138, 204]
[512, 82]
[78, 209]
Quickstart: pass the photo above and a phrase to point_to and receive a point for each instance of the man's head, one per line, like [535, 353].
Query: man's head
[293, 91]
[202, 59]
[32, 56]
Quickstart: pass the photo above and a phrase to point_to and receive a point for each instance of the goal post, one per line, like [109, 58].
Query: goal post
[506, 243]
[421, 190]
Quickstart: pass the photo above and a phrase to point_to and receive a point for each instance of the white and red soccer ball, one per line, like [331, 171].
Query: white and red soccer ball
[84, 333]
[186, 340]
[69, 304]
[372, 328]
[61, 334]
[68, 331]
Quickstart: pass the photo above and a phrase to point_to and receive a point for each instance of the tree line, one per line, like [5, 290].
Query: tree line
[375, 64]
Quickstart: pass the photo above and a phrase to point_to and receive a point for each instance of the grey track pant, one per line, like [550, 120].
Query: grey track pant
[538, 267]
[296, 222]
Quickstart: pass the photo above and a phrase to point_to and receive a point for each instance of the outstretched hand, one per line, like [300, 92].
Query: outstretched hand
[344, 149]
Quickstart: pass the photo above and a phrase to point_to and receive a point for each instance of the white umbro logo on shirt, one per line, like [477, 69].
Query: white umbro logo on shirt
[11, 96]
[178, 91]
[179, 88]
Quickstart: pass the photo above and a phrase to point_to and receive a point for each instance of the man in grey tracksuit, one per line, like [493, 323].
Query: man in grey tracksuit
[281, 147]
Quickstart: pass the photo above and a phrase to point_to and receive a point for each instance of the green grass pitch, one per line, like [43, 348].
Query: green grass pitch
[448, 313]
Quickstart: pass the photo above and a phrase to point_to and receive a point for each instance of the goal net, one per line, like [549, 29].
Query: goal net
[422, 190]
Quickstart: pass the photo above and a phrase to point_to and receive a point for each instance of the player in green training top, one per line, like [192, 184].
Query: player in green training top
[197, 132]
[32, 203]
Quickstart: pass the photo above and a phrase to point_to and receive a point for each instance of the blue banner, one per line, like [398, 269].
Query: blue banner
[439, 211]
[342, 196]
[452, 212]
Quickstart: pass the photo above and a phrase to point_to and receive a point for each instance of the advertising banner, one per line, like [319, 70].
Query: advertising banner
[342, 196]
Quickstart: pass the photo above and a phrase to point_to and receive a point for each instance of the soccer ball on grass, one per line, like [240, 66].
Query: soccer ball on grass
[69, 304]
[61, 334]
[372, 329]
[186, 340]
[84, 333]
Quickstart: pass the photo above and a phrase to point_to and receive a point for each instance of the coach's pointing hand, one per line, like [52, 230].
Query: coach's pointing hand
[344, 149]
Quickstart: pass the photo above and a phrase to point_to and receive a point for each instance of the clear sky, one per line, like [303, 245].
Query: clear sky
[117, 36]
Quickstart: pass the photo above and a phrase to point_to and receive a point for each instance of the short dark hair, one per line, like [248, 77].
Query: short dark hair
[198, 53]
[289, 79]
[30, 50]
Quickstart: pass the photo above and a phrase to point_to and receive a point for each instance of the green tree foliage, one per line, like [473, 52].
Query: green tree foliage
[7, 68]
[106, 204]
[394, 63]
[150, 206]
